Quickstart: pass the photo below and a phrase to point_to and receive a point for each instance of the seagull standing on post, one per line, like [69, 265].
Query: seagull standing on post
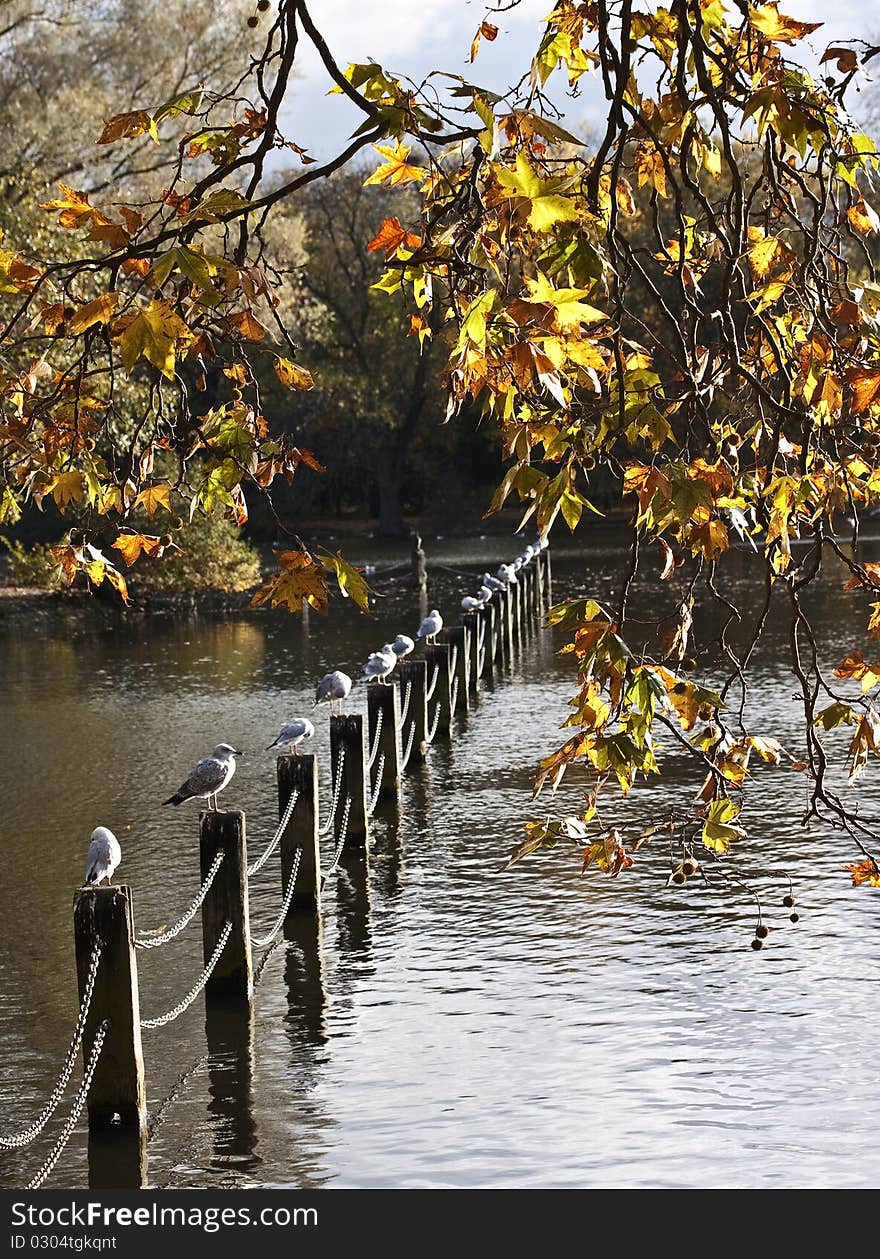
[402, 646]
[379, 665]
[293, 732]
[430, 627]
[332, 689]
[103, 858]
[207, 777]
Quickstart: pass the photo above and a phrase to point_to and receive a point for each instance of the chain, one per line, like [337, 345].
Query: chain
[406, 698]
[409, 746]
[429, 738]
[24, 1138]
[337, 790]
[375, 748]
[340, 845]
[374, 799]
[429, 694]
[154, 941]
[453, 660]
[197, 988]
[257, 865]
[453, 701]
[78, 1101]
[481, 646]
[285, 906]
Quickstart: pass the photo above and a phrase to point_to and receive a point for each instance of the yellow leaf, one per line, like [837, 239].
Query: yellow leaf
[863, 217]
[650, 169]
[775, 26]
[131, 545]
[154, 496]
[396, 170]
[122, 126]
[292, 375]
[97, 311]
[250, 328]
[155, 333]
[299, 578]
[67, 487]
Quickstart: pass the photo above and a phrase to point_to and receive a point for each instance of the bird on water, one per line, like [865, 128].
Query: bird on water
[430, 626]
[333, 689]
[293, 732]
[207, 777]
[103, 857]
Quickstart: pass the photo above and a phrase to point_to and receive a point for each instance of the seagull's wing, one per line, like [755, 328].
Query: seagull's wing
[206, 775]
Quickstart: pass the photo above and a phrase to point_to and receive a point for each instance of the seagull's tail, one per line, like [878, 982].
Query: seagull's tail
[177, 798]
[271, 745]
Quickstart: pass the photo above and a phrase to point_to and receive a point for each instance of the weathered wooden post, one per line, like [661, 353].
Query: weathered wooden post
[437, 657]
[419, 567]
[489, 625]
[103, 915]
[300, 774]
[226, 902]
[530, 595]
[459, 640]
[414, 675]
[347, 743]
[473, 623]
[548, 578]
[383, 699]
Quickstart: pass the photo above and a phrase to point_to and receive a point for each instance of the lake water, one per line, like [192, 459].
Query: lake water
[454, 1026]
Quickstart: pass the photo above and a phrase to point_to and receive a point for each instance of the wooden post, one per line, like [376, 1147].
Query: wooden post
[384, 699]
[437, 656]
[419, 568]
[548, 578]
[473, 622]
[459, 639]
[118, 1094]
[227, 901]
[528, 598]
[348, 733]
[414, 674]
[489, 620]
[506, 596]
[300, 774]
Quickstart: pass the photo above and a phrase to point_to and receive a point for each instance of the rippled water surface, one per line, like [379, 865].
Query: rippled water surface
[451, 1026]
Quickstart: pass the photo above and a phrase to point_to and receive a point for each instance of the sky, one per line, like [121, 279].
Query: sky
[411, 37]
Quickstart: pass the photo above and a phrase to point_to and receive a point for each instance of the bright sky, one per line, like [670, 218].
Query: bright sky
[411, 37]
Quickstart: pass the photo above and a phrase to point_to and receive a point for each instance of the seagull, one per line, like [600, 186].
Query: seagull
[469, 604]
[402, 645]
[544, 543]
[431, 626]
[207, 777]
[104, 856]
[517, 563]
[333, 689]
[492, 582]
[484, 594]
[293, 732]
[506, 574]
[379, 665]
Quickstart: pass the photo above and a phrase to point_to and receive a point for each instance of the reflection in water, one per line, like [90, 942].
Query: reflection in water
[452, 1025]
[118, 1158]
[229, 1031]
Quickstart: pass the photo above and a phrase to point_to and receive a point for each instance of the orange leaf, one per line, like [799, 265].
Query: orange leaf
[391, 235]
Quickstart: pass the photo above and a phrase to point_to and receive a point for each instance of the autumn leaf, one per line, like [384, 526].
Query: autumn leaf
[68, 487]
[127, 126]
[650, 169]
[718, 829]
[391, 235]
[775, 26]
[484, 31]
[154, 497]
[156, 333]
[396, 170]
[863, 217]
[247, 326]
[97, 311]
[546, 205]
[132, 544]
[866, 871]
[350, 580]
[299, 578]
[292, 375]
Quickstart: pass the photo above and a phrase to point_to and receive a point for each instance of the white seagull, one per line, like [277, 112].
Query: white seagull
[492, 582]
[207, 777]
[431, 626]
[104, 856]
[507, 574]
[379, 665]
[293, 732]
[402, 645]
[484, 594]
[469, 604]
[332, 689]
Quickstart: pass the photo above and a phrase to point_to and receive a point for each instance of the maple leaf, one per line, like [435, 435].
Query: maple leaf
[484, 31]
[247, 326]
[863, 217]
[131, 545]
[718, 829]
[67, 487]
[775, 26]
[866, 871]
[97, 311]
[391, 235]
[569, 310]
[396, 170]
[300, 578]
[153, 497]
[127, 126]
[73, 207]
[155, 333]
[350, 580]
[650, 169]
[546, 204]
[292, 375]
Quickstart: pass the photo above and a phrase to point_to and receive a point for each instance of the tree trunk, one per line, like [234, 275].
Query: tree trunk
[388, 479]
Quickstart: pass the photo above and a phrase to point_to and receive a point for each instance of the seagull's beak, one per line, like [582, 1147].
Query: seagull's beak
[238, 751]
